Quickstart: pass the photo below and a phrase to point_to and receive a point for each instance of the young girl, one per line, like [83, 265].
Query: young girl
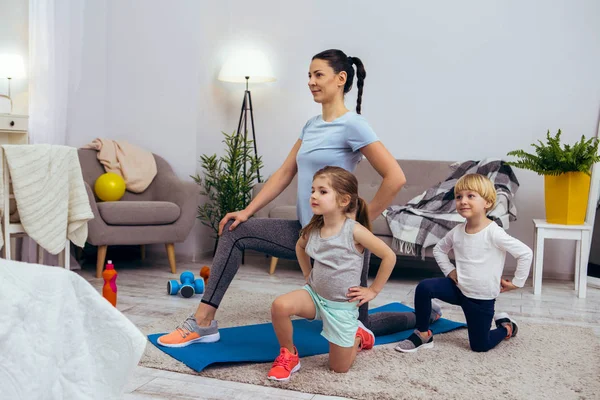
[480, 247]
[336, 242]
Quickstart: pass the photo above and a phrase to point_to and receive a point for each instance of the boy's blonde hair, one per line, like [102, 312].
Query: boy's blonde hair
[477, 183]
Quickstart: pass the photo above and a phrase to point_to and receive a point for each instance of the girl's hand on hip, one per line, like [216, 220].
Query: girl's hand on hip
[237, 216]
[361, 294]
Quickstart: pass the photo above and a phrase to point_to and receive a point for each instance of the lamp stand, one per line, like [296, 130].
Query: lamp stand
[247, 106]
[8, 97]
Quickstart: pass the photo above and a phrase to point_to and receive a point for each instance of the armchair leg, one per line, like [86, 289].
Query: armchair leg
[171, 254]
[143, 252]
[273, 265]
[100, 260]
[40, 254]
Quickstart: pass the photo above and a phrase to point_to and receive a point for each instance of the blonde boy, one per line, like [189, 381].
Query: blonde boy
[480, 248]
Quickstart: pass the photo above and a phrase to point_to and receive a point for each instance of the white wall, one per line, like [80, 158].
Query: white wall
[14, 38]
[446, 80]
[87, 116]
[140, 84]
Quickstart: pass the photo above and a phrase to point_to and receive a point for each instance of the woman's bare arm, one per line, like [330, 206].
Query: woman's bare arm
[272, 188]
[393, 177]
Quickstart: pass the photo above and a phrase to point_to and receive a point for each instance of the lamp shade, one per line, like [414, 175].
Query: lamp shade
[11, 66]
[247, 63]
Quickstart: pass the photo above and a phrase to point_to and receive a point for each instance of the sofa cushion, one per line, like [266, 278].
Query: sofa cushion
[420, 176]
[381, 227]
[139, 212]
[283, 212]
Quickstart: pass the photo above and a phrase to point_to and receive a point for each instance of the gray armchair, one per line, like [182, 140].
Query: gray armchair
[164, 213]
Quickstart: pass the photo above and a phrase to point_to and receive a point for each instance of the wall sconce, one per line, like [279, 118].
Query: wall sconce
[11, 66]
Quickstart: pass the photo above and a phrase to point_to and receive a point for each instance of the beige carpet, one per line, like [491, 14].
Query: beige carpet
[542, 362]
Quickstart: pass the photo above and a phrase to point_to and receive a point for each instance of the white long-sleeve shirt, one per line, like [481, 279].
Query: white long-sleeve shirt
[480, 259]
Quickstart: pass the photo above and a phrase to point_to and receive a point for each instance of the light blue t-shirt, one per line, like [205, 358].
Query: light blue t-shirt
[336, 143]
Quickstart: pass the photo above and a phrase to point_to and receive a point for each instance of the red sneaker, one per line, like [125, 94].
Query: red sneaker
[284, 365]
[367, 338]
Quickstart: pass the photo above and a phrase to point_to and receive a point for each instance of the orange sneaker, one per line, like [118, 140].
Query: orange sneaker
[189, 332]
[284, 365]
[367, 338]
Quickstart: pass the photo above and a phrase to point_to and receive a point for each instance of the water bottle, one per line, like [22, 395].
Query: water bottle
[109, 291]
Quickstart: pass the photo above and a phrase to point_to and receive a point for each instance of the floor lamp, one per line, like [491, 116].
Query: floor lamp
[247, 66]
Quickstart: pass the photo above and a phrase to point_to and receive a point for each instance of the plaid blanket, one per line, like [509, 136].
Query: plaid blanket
[426, 219]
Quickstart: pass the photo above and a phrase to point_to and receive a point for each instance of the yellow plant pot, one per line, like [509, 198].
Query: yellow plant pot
[566, 197]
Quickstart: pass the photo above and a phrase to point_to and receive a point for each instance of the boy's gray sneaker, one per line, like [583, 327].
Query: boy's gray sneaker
[189, 332]
[502, 318]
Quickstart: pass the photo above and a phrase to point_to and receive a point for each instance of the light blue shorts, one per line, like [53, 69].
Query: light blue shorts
[340, 319]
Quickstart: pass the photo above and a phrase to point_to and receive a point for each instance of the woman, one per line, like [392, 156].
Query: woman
[337, 137]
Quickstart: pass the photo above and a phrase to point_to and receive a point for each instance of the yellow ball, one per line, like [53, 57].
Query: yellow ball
[110, 187]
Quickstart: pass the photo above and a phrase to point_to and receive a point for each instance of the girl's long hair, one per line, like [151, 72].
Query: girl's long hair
[343, 183]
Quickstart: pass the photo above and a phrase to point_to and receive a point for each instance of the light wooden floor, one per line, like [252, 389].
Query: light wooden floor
[143, 299]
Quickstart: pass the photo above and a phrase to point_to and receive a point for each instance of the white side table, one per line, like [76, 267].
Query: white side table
[13, 129]
[579, 233]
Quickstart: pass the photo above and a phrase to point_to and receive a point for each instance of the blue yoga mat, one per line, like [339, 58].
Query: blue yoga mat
[258, 343]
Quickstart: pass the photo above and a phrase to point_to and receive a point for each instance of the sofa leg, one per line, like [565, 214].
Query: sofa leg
[100, 260]
[273, 265]
[143, 252]
[171, 254]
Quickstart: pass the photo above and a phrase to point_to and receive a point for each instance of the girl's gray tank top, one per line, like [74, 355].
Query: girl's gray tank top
[337, 263]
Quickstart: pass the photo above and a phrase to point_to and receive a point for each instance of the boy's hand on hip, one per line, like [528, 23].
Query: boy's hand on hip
[361, 294]
[453, 275]
[506, 285]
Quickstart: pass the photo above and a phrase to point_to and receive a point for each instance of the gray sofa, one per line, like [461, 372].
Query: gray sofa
[420, 176]
[164, 213]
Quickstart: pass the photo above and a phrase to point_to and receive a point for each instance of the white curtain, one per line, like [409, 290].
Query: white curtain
[55, 48]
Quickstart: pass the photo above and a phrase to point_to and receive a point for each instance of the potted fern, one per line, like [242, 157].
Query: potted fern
[228, 181]
[566, 173]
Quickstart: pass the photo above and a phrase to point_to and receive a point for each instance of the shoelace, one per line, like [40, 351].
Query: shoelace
[282, 361]
[186, 327]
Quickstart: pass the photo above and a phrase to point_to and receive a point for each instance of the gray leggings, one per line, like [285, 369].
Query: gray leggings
[278, 237]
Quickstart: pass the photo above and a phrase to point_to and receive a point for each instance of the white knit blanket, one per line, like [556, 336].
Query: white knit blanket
[60, 339]
[50, 193]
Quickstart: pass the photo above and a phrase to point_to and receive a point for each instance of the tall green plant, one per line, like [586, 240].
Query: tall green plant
[552, 159]
[228, 180]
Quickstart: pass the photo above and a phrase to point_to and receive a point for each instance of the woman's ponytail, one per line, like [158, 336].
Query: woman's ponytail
[361, 74]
